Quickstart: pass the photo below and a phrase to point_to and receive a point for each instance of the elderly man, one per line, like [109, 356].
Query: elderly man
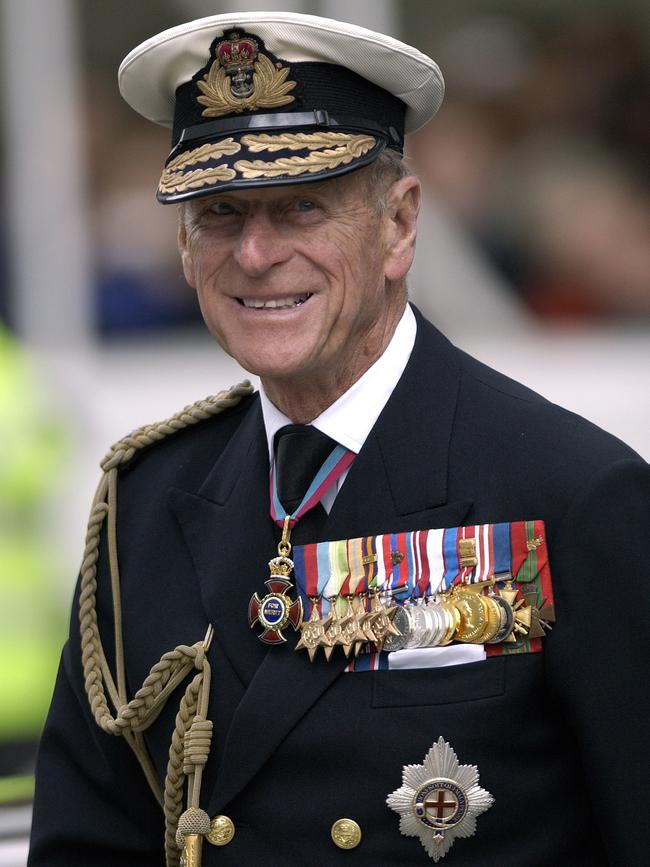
[447, 659]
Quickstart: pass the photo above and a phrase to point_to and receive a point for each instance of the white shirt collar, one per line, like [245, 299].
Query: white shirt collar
[350, 419]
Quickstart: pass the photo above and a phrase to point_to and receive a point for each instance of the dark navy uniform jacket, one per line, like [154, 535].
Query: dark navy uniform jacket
[559, 737]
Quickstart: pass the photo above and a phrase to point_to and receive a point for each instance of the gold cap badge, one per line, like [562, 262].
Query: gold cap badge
[242, 78]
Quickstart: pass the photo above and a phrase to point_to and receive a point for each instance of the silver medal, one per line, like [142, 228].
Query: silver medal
[402, 621]
[440, 624]
[428, 626]
[418, 625]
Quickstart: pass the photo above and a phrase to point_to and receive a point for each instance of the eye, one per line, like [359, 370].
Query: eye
[222, 209]
[305, 205]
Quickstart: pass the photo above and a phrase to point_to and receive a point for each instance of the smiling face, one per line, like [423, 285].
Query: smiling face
[303, 284]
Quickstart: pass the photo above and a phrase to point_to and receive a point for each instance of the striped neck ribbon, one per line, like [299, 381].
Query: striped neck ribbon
[331, 470]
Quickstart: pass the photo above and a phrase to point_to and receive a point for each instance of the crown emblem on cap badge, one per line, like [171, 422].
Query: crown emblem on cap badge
[242, 78]
[237, 56]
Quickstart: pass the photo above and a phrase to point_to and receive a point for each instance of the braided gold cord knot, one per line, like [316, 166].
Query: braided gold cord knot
[199, 659]
[175, 777]
[196, 744]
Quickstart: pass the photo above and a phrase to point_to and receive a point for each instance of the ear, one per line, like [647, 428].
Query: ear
[183, 249]
[402, 208]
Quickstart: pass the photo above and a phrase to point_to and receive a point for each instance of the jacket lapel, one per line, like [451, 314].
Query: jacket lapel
[389, 488]
[399, 480]
[227, 529]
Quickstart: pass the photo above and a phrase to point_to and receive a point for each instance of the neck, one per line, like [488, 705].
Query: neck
[304, 398]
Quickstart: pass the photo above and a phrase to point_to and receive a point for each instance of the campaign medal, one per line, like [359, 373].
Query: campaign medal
[507, 616]
[380, 621]
[451, 619]
[417, 625]
[522, 613]
[473, 615]
[312, 632]
[494, 620]
[542, 616]
[277, 610]
[332, 630]
[423, 589]
[438, 624]
[358, 631]
[439, 800]
[402, 623]
[349, 624]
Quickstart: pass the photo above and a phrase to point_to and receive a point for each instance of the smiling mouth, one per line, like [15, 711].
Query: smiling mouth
[276, 303]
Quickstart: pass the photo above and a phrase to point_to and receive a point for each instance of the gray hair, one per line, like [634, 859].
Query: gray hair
[389, 167]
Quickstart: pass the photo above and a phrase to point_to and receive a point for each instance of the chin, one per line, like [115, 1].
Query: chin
[273, 362]
[273, 371]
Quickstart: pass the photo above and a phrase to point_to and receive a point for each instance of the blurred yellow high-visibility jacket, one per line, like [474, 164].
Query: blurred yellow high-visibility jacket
[31, 631]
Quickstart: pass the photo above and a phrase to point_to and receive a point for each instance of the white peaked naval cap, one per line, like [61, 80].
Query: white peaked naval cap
[271, 98]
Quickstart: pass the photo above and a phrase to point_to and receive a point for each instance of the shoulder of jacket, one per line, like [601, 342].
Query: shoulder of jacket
[121, 452]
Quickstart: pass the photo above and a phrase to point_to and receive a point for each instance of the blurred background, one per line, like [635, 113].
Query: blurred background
[534, 256]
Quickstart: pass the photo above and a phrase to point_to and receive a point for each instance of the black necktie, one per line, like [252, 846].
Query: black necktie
[300, 451]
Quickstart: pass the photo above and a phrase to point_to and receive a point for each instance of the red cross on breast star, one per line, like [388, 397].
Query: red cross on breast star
[442, 807]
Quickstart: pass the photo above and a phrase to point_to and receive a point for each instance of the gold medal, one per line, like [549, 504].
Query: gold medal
[452, 617]
[331, 630]
[367, 620]
[507, 620]
[473, 612]
[382, 623]
[494, 620]
[350, 625]
[364, 632]
[312, 631]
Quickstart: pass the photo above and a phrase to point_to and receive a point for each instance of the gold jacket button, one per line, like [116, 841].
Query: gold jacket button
[346, 833]
[222, 830]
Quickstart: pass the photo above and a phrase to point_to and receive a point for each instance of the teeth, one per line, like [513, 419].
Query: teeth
[293, 301]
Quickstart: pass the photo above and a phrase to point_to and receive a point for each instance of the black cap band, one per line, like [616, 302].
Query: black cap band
[321, 87]
[303, 120]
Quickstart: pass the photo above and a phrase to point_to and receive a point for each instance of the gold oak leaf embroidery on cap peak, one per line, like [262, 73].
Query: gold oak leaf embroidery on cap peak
[329, 158]
[174, 181]
[197, 178]
[294, 141]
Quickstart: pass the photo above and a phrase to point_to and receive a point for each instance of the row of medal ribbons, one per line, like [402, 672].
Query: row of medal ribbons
[481, 584]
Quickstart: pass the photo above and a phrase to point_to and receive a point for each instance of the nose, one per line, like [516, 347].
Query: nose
[261, 245]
